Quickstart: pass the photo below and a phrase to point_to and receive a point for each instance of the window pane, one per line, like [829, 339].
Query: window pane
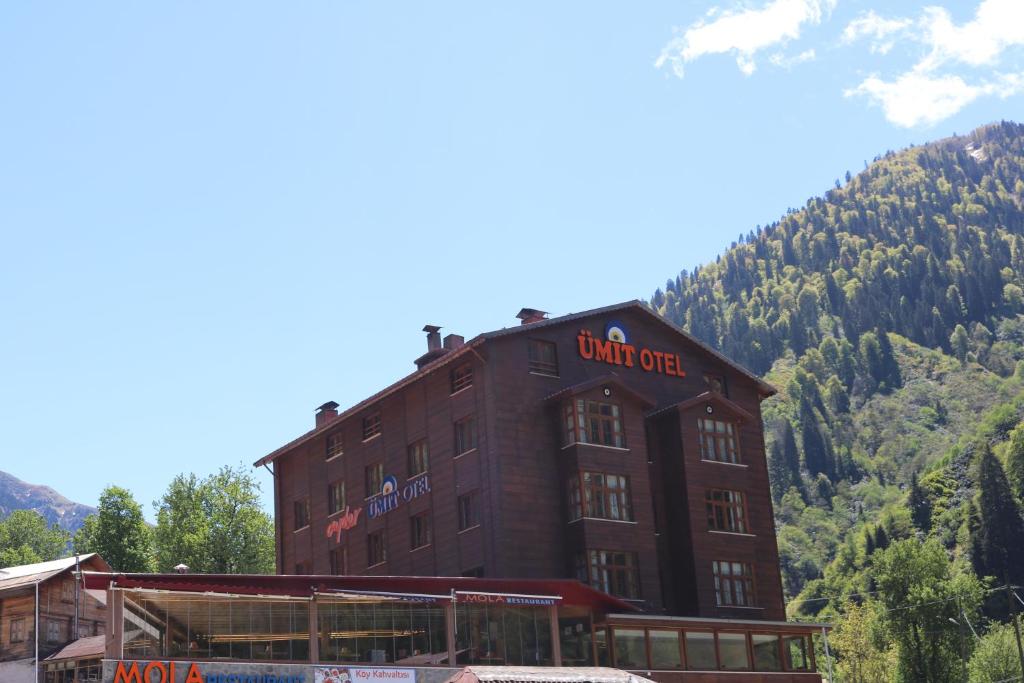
[700, 651]
[766, 652]
[732, 648]
[574, 635]
[795, 651]
[665, 650]
[601, 643]
[630, 650]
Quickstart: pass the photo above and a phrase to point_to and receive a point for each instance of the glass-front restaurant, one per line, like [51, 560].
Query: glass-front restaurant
[430, 622]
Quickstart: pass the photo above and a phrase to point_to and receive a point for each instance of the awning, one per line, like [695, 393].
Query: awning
[546, 674]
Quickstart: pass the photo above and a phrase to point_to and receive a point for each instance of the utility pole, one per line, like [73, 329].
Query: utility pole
[1013, 618]
[963, 651]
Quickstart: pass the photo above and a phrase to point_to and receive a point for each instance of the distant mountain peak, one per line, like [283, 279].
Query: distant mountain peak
[16, 494]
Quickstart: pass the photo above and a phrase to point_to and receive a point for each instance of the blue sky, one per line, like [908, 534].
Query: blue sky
[216, 216]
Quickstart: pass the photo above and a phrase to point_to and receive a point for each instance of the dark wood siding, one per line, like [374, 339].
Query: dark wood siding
[520, 468]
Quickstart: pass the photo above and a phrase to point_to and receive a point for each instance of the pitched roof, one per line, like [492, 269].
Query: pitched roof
[475, 342]
[83, 648]
[571, 592]
[706, 397]
[27, 574]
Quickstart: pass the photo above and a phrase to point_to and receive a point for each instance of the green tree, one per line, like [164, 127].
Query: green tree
[919, 504]
[215, 525]
[925, 596]
[960, 343]
[995, 658]
[25, 538]
[1000, 545]
[182, 533]
[84, 539]
[121, 535]
[1015, 462]
[862, 654]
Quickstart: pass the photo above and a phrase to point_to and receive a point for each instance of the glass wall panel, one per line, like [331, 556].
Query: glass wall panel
[665, 650]
[501, 635]
[732, 649]
[700, 651]
[168, 625]
[630, 648]
[379, 632]
[601, 644]
[766, 652]
[574, 626]
[795, 649]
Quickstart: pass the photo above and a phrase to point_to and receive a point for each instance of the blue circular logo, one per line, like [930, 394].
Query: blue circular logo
[389, 485]
[616, 332]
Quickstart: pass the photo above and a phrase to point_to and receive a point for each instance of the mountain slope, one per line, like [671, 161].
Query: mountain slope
[55, 508]
[889, 313]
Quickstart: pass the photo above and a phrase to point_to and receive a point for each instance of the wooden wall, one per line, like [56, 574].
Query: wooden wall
[519, 473]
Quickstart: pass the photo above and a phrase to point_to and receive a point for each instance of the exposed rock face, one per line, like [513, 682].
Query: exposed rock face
[55, 508]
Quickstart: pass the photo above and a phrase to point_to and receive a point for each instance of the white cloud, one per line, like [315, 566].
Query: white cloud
[997, 25]
[930, 90]
[914, 98]
[789, 61]
[879, 30]
[742, 33]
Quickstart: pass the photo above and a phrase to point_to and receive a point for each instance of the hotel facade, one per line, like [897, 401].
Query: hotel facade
[588, 490]
[607, 446]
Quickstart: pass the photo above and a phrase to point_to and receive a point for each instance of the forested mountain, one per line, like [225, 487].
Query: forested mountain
[890, 314]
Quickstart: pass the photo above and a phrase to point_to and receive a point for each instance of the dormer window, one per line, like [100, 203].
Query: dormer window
[718, 440]
[594, 422]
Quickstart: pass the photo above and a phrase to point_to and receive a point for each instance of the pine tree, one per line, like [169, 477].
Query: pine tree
[791, 457]
[920, 505]
[960, 343]
[891, 376]
[881, 538]
[1015, 462]
[1001, 531]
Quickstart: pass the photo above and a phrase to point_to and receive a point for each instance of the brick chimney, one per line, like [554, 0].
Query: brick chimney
[454, 341]
[434, 348]
[531, 315]
[326, 413]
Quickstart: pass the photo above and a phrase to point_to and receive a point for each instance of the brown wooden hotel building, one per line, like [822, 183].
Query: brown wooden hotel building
[580, 491]
[608, 446]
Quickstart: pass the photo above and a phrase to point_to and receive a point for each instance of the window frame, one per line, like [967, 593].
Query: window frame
[372, 425]
[17, 628]
[373, 488]
[460, 378]
[748, 580]
[379, 537]
[722, 440]
[417, 458]
[536, 364]
[576, 421]
[460, 435]
[334, 446]
[420, 532]
[336, 555]
[305, 517]
[467, 502]
[594, 568]
[584, 493]
[732, 512]
[333, 506]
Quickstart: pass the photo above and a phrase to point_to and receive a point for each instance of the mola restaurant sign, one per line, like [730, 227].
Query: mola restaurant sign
[615, 349]
[166, 672]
